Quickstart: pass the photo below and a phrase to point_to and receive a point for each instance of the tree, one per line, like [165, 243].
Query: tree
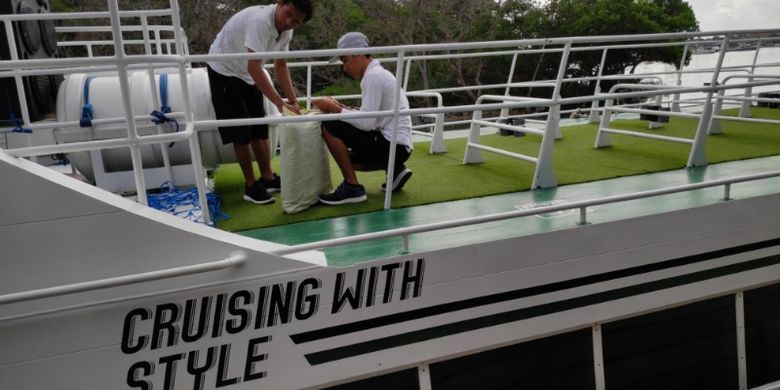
[617, 17]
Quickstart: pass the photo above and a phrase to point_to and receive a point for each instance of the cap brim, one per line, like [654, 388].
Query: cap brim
[334, 60]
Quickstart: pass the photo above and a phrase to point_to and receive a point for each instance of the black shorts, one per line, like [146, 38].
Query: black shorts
[367, 147]
[233, 98]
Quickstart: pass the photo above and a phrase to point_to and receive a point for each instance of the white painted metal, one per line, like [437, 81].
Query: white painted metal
[424, 375]
[598, 357]
[394, 137]
[739, 307]
[744, 109]
[235, 259]
[522, 213]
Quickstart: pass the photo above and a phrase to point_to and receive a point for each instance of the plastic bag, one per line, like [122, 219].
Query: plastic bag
[305, 166]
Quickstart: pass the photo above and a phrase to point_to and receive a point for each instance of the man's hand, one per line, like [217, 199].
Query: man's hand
[328, 105]
[292, 107]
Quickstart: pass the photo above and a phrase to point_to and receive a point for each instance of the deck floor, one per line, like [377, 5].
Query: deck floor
[383, 220]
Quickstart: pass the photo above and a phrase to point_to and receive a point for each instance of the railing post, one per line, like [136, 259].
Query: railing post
[474, 155]
[602, 138]
[407, 74]
[544, 175]
[394, 141]
[583, 216]
[744, 109]
[308, 87]
[698, 156]
[714, 126]
[593, 116]
[124, 87]
[676, 96]
[505, 111]
[156, 101]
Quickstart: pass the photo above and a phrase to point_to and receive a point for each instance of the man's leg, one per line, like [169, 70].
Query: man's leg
[244, 157]
[263, 156]
[338, 149]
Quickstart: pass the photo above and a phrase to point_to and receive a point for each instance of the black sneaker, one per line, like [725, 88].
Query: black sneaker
[257, 194]
[345, 193]
[273, 185]
[400, 178]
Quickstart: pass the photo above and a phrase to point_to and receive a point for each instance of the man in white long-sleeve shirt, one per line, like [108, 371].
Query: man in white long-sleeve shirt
[363, 144]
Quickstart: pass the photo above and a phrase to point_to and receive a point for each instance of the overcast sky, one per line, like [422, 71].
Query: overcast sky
[715, 15]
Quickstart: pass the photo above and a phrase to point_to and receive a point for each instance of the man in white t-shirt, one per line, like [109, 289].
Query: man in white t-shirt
[363, 144]
[238, 86]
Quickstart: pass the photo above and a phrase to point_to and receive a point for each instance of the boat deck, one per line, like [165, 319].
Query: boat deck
[346, 255]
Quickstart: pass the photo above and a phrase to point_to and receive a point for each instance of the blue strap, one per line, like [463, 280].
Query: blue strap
[164, 108]
[17, 122]
[159, 117]
[87, 112]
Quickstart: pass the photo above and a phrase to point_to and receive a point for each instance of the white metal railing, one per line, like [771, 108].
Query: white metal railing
[582, 206]
[235, 259]
[122, 64]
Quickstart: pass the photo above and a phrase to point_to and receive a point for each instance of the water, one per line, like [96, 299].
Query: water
[699, 61]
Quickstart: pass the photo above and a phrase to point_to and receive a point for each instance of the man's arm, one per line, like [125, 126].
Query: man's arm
[371, 100]
[263, 83]
[283, 77]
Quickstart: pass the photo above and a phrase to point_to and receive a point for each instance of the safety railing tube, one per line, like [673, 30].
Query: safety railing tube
[504, 113]
[13, 50]
[676, 98]
[394, 139]
[698, 156]
[594, 113]
[581, 205]
[156, 101]
[194, 141]
[544, 176]
[744, 109]
[437, 135]
[235, 259]
[124, 87]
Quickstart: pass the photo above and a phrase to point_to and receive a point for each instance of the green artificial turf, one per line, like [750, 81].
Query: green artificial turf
[443, 177]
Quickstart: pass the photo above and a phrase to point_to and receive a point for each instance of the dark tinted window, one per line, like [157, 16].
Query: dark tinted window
[689, 347]
[762, 335]
[558, 362]
[402, 380]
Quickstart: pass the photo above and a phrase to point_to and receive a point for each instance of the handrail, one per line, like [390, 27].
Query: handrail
[582, 205]
[236, 259]
[122, 63]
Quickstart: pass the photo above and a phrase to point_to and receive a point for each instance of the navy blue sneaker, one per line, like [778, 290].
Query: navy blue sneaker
[257, 194]
[273, 185]
[399, 179]
[345, 193]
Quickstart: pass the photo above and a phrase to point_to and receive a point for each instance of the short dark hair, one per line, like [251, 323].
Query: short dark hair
[305, 6]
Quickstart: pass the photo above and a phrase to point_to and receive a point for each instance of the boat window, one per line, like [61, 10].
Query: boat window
[401, 380]
[762, 335]
[688, 347]
[559, 362]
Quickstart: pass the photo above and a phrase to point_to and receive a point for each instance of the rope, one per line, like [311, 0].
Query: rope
[87, 111]
[159, 117]
[16, 121]
[185, 203]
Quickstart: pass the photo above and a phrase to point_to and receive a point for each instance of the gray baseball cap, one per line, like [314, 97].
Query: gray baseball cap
[351, 40]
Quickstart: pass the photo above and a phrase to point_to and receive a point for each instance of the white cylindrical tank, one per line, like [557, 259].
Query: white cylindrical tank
[106, 99]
